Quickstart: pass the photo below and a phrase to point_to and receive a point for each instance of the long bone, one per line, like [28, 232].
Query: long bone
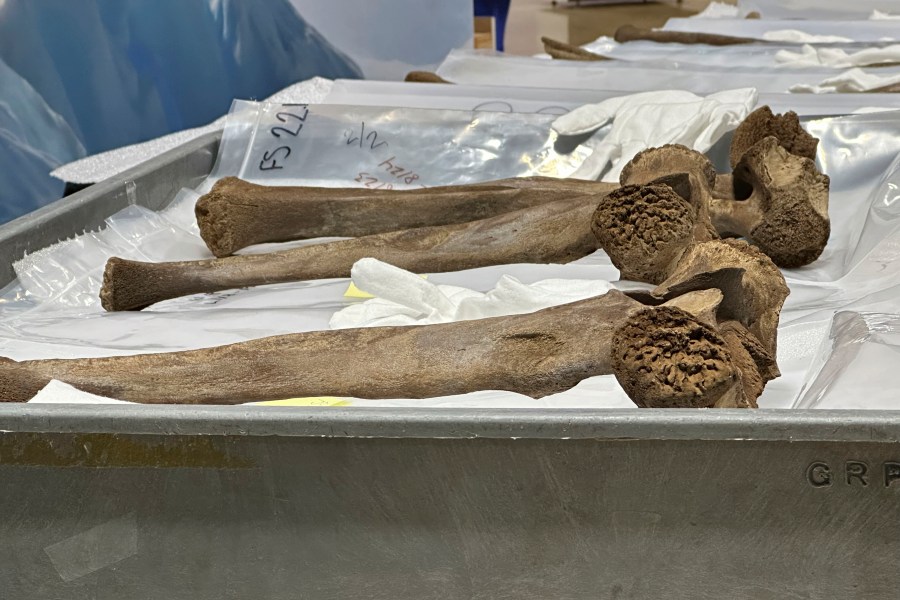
[565, 51]
[630, 33]
[534, 354]
[235, 214]
[555, 232]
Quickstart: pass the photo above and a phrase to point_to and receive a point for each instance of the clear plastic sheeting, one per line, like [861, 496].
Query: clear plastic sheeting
[626, 77]
[854, 365]
[486, 98]
[857, 31]
[772, 55]
[387, 148]
[548, 100]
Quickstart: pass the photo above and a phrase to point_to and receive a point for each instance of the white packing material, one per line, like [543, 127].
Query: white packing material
[404, 298]
[785, 56]
[838, 57]
[595, 392]
[861, 30]
[795, 36]
[652, 119]
[878, 15]
[57, 392]
[851, 81]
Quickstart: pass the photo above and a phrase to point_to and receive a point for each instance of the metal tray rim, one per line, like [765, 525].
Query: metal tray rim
[332, 422]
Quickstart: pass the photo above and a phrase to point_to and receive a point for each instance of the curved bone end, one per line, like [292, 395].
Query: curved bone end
[644, 229]
[761, 293]
[791, 222]
[793, 234]
[17, 382]
[665, 358]
[217, 219]
[424, 77]
[762, 123]
[127, 285]
[671, 158]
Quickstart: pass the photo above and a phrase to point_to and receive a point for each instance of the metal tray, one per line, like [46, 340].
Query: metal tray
[172, 502]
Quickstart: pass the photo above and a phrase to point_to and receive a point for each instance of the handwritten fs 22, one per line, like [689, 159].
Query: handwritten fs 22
[293, 119]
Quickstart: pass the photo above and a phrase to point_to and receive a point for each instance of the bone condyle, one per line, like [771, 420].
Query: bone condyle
[775, 198]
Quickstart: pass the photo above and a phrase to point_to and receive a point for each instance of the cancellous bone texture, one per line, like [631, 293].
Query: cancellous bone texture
[236, 214]
[664, 357]
[762, 123]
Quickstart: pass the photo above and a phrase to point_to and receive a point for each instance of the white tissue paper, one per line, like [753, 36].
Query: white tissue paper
[650, 119]
[57, 392]
[719, 10]
[795, 36]
[877, 15]
[853, 80]
[594, 392]
[404, 298]
[837, 57]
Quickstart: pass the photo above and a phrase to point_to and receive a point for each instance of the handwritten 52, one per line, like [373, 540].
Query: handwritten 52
[293, 120]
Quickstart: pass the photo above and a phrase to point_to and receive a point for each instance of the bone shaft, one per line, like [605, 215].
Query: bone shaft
[237, 214]
[630, 34]
[534, 354]
[556, 232]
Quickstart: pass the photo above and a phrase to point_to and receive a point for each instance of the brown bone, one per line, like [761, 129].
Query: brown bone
[762, 123]
[535, 354]
[630, 33]
[646, 229]
[774, 198]
[564, 51]
[555, 232]
[754, 299]
[786, 214]
[424, 77]
[236, 214]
